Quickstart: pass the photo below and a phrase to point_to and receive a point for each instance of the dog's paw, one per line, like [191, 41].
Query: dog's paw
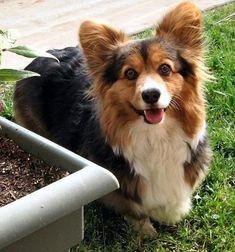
[143, 227]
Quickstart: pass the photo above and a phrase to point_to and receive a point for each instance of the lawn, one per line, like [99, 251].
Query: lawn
[211, 224]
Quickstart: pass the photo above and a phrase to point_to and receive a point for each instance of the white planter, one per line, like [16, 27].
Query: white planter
[51, 218]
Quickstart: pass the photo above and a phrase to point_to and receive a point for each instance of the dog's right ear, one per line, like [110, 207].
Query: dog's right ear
[183, 26]
[98, 42]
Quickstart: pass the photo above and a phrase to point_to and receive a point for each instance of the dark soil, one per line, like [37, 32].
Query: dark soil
[21, 173]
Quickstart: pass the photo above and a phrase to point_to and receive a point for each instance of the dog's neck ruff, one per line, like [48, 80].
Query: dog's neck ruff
[157, 153]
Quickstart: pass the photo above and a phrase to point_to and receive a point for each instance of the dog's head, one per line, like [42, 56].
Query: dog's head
[147, 79]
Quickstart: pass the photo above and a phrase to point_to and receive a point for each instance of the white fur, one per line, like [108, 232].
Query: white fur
[199, 137]
[164, 98]
[157, 153]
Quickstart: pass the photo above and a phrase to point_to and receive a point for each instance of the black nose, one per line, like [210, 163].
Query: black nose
[151, 95]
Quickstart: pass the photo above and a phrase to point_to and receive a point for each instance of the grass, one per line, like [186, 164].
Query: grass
[211, 224]
[6, 91]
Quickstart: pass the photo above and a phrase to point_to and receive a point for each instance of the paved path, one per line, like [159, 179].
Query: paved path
[48, 24]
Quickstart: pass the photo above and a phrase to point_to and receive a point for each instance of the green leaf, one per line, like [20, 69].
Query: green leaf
[9, 75]
[30, 52]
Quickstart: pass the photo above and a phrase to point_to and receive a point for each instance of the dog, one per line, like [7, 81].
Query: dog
[135, 107]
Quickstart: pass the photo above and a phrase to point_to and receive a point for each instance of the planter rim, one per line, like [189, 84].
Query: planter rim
[50, 203]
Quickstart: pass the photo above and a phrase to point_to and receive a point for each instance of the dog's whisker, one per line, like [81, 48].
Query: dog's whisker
[174, 105]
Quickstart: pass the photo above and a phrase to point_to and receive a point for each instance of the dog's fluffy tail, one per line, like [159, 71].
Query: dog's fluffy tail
[69, 58]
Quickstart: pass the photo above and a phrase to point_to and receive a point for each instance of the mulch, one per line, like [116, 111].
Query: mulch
[21, 173]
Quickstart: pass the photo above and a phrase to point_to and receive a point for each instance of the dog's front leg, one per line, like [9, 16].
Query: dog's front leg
[143, 226]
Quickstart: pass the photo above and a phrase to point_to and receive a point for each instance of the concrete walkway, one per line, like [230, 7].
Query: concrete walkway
[46, 24]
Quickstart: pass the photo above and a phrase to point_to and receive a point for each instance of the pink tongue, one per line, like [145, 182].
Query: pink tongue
[154, 116]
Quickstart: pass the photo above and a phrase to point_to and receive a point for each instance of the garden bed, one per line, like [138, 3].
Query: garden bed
[21, 173]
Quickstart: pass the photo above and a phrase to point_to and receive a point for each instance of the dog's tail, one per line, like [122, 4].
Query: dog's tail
[69, 59]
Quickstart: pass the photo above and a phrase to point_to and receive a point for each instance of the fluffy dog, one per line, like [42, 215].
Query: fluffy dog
[135, 107]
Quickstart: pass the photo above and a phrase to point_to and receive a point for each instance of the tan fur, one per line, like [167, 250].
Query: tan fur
[98, 42]
[183, 26]
[24, 115]
[143, 227]
[28, 120]
[193, 174]
[122, 205]
[191, 112]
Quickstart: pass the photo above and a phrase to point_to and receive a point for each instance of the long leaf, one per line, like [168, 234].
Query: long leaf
[30, 52]
[15, 75]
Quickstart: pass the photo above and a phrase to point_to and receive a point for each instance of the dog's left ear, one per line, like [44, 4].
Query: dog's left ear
[98, 42]
[183, 27]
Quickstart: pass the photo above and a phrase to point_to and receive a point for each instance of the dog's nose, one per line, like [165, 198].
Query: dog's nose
[151, 95]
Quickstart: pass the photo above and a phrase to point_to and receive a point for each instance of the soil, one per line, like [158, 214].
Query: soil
[21, 173]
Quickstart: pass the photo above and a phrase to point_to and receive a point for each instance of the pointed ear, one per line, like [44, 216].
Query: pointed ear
[183, 26]
[98, 42]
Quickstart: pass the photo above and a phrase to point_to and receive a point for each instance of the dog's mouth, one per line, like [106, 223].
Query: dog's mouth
[151, 115]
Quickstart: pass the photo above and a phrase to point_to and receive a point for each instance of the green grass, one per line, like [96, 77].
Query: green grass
[211, 224]
[6, 91]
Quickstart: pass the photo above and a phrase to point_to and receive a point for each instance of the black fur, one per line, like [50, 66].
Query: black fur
[186, 69]
[144, 49]
[60, 95]
[200, 158]
[114, 67]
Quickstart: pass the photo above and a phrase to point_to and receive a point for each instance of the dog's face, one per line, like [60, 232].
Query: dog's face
[147, 79]
[142, 78]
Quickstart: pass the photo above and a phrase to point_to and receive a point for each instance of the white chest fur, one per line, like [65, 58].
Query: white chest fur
[158, 153]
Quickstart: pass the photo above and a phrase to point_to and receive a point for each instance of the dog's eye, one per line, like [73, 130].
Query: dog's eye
[131, 74]
[164, 70]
